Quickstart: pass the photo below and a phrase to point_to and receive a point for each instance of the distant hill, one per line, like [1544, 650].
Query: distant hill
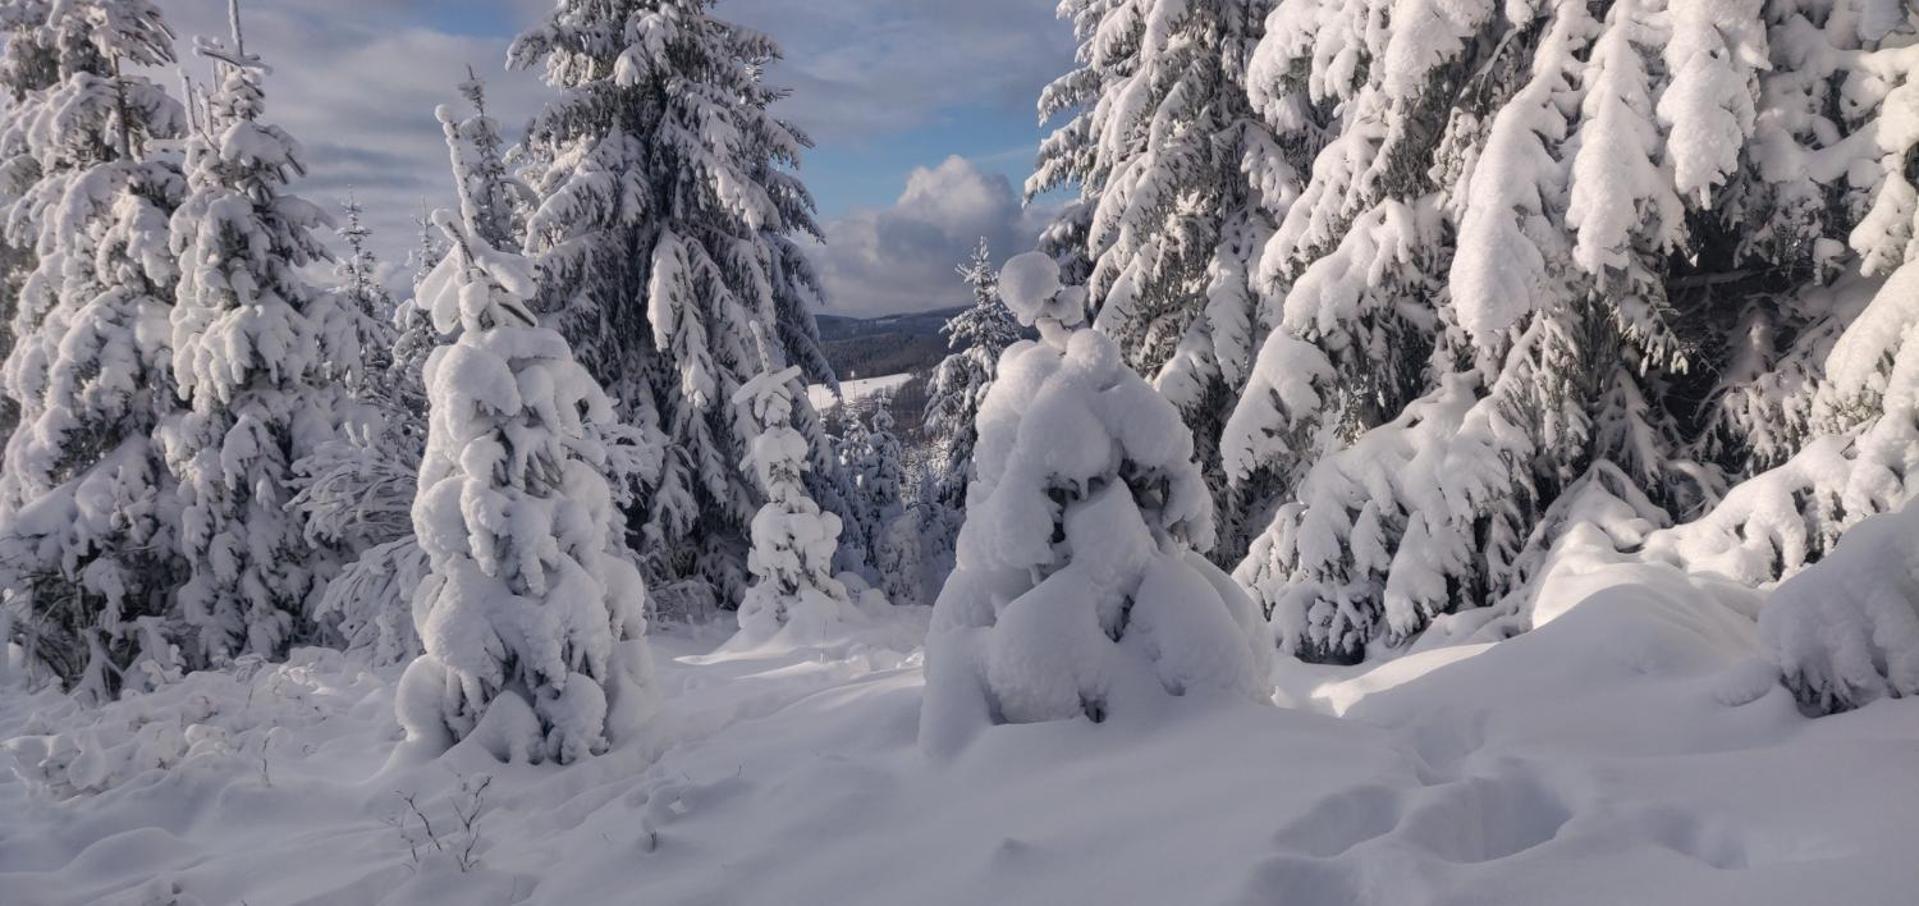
[890, 344]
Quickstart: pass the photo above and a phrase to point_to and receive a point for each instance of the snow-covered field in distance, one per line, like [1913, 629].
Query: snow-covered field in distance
[1628, 751]
[822, 397]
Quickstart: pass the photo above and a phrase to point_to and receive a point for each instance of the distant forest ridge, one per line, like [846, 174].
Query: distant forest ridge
[889, 344]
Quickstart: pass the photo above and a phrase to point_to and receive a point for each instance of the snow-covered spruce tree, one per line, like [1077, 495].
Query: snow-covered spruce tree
[490, 197]
[534, 614]
[28, 64]
[878, 474]
[428, 251]
[794, 592]
[355, 492]
[977, 336]
[957, 389]
[1081, 586]
[371, 306]
[359, 489]
[87, 516]
[255, 349]
[1810, 319]
[1179, 183]
[1367, 123]
[666, 222]
[1353, 286]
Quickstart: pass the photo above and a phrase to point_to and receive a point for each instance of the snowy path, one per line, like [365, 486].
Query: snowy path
[1620, 754]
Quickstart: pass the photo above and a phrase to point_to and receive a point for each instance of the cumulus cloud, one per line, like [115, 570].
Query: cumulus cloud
[901, 258]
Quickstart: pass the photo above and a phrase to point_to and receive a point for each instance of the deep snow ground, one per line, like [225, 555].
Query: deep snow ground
[1628, 751]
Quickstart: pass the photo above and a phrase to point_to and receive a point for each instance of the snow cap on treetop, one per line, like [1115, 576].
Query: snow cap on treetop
[1029, 284]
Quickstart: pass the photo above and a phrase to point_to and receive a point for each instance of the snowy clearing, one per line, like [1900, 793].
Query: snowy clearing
[821, 396]
[1626, 752]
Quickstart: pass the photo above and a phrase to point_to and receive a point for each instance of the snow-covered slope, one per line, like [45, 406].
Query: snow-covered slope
[1627, 751]
[853, 391]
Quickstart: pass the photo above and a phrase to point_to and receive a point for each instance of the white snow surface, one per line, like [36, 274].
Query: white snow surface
[821, 396]
[1632, 749]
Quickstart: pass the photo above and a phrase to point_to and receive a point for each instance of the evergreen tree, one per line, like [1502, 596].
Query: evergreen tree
[1081, 587]
[355, 492]
[490, 198]
[794, 591]
[876, 466]
[255, 348]
[533, 617]
[27, 65]
[977, 336]
[87, 517]
[430, 250]
[1178, 183]
[666, 223]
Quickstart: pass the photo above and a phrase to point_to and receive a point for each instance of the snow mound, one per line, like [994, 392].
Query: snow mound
[1845, 631]
[208, 723]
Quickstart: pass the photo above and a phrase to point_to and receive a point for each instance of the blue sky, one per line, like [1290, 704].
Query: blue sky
[921, 111]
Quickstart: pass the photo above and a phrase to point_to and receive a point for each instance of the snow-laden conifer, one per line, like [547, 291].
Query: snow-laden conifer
[667, 219]
[1179, 183]
[977, 336]
[88, 521]
[256, 349]
[1534, 239]
[355, 492]
[891, 526]
[794, 591]
[1081, 587]
[533, 616]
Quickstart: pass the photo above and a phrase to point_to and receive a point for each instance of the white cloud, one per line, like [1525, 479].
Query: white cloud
[901, 258]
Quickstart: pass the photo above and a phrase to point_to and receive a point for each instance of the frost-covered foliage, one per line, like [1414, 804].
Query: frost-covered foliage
[1544, 247]
[1864, 461]
[490, 198]
[533, 616]
[1180, 184]
[257, 353]
[794, 592]
[1081, 587]
[88, 519]
[666, 222]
